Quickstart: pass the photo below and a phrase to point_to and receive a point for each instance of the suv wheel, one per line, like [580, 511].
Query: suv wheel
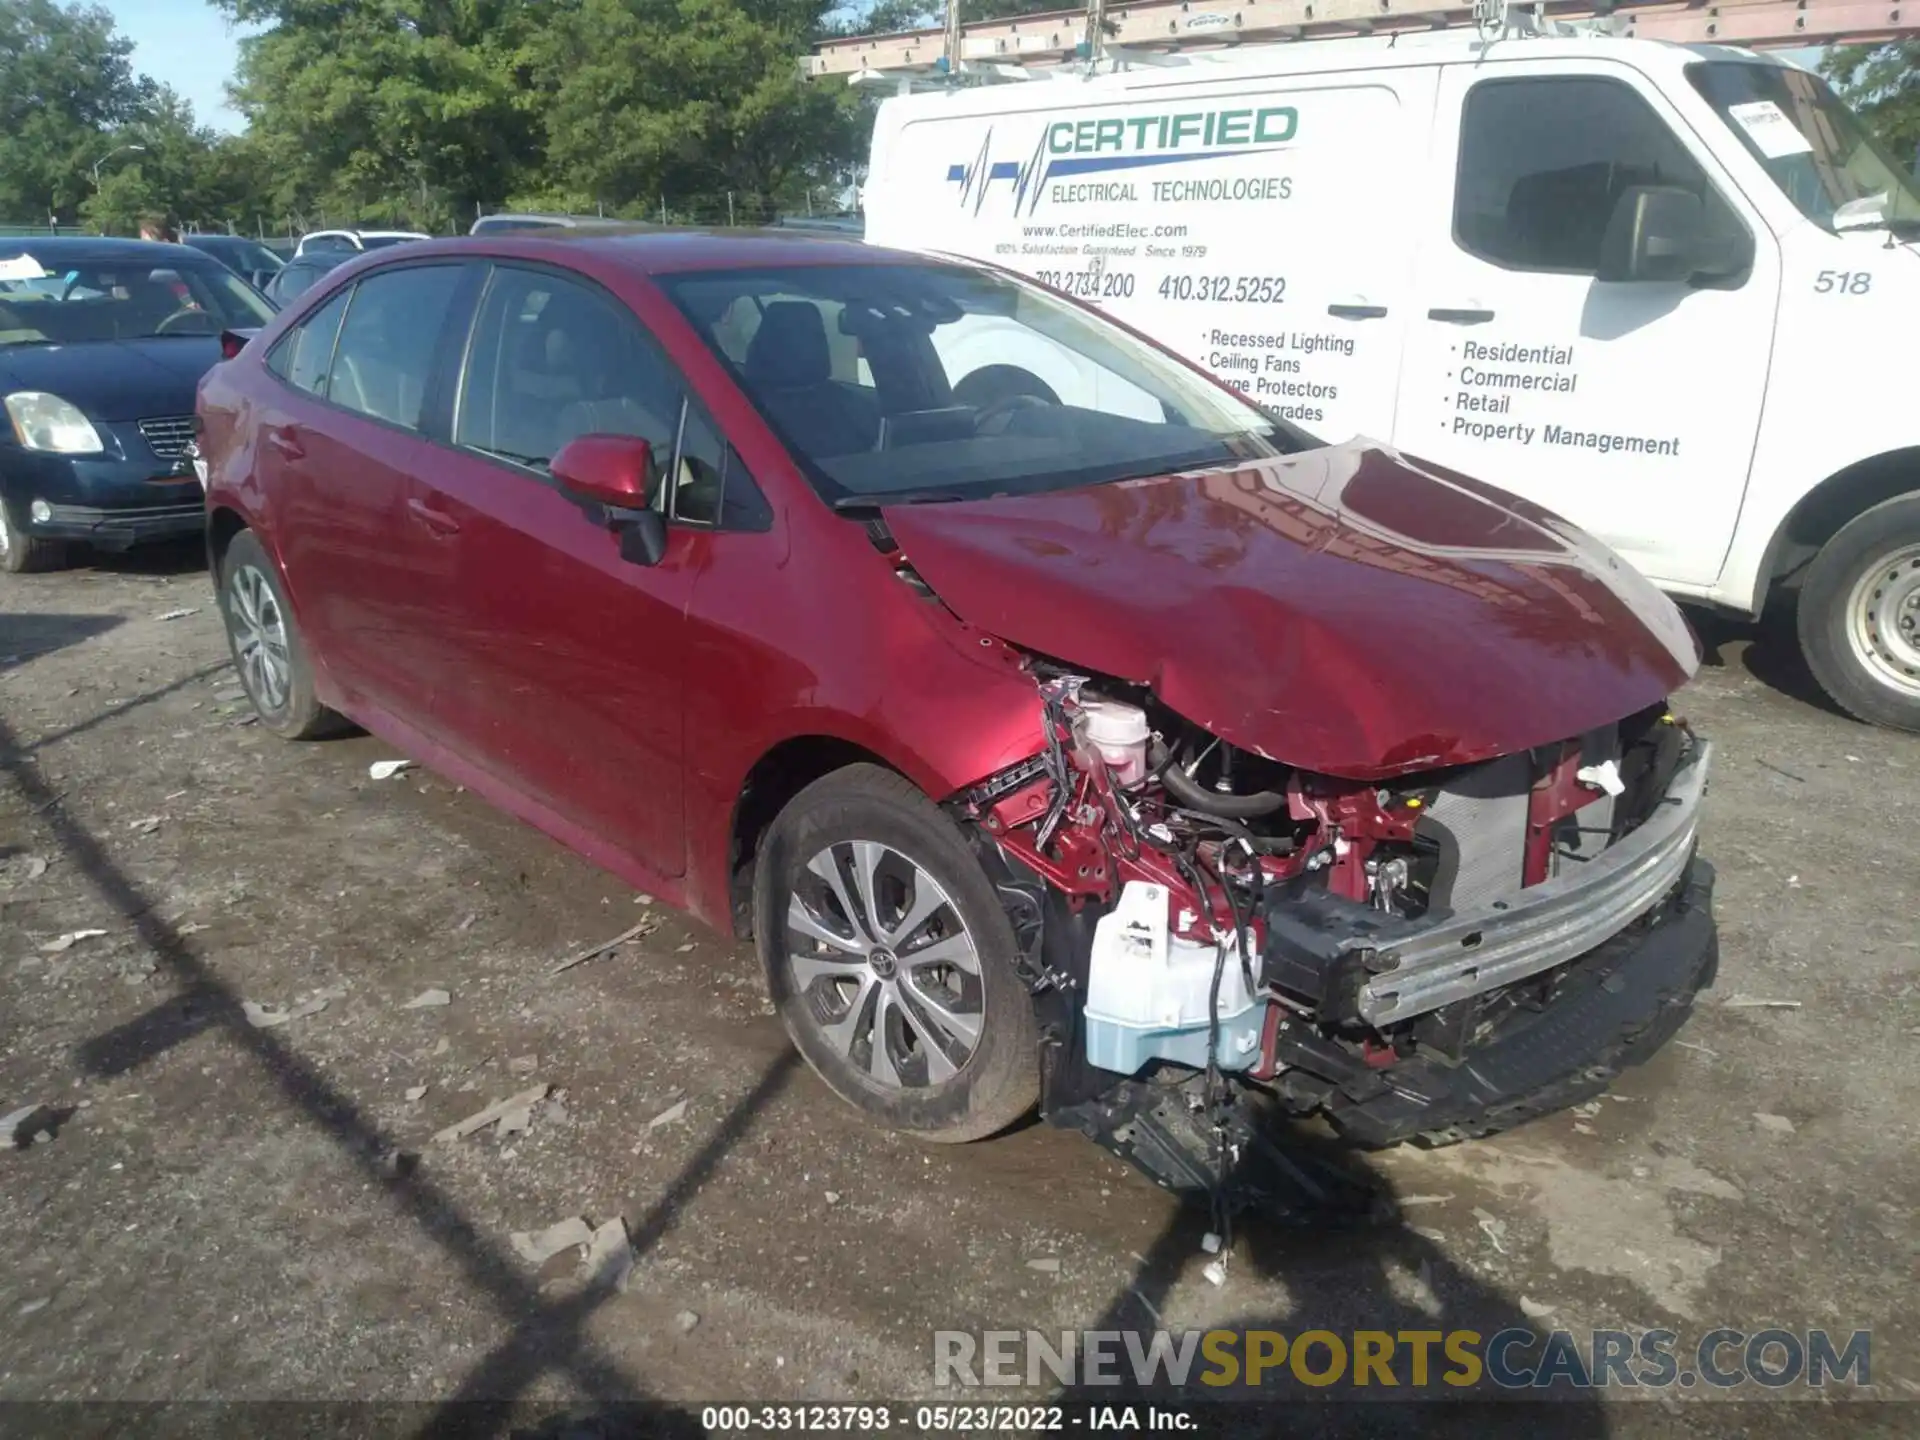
[266, 645]
[891, 961]
[21, 552]
[1859, 615]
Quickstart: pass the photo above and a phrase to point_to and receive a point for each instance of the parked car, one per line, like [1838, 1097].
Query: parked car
[1077, 753]
[349, 243]
[300, 274]
[101, 345]
[249, 259]
[498, 224]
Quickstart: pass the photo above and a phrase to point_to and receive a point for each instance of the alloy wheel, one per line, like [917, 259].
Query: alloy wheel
[259, 638]
[884, 965]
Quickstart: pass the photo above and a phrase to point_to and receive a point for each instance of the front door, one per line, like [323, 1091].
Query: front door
[1631, 409]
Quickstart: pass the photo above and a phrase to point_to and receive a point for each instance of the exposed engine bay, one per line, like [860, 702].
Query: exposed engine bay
[1207, 931]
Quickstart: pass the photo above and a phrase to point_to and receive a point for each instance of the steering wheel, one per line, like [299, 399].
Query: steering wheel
[1005, 408]
[186, 312]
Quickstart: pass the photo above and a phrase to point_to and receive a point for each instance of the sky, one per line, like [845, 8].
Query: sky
[186, 44]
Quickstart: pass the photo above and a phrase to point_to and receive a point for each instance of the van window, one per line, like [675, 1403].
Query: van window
[1543, 162]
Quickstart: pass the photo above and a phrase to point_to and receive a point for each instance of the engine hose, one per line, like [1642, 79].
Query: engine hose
[1195, 796]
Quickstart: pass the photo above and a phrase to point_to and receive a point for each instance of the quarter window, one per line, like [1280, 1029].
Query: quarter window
[301, 358]
[388, 342]
[1543, 163]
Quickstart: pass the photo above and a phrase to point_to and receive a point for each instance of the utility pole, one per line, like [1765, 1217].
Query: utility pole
[108, 156]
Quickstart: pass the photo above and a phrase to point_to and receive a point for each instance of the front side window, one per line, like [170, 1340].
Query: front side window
[940, 381]
[69, 304]
[1544, 161]
[303, 355]
[1810, 144]
[550, 360]
[388, 342]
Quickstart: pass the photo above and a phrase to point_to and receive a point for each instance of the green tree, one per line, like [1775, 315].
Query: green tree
[1882, 82]
[66, 87]
[693, 101]
[384, 110]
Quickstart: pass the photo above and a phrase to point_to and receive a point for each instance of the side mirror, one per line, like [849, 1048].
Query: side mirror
[232, 342]
[1658, 234]
[614, 471]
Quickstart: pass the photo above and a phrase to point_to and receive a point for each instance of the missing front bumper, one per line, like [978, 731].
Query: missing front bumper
[1355, 963]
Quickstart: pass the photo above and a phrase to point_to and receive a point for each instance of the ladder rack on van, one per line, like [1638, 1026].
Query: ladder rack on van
[1145, 29]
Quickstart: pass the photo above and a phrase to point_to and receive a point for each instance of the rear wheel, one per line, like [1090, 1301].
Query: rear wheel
[266, 645]
[891, 960]
[21, 552]
[1859, 615]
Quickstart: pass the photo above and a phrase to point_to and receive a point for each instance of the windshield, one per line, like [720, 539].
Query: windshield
[1813, 146]
[66, 304]
[933, 382]
[235, 250]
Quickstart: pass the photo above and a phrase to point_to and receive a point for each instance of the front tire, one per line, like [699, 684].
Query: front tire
[22, 553]
[1859, 615]
[891, 961]
[266, 645]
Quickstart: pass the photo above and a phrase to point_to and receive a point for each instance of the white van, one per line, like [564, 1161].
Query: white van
[1670, 292]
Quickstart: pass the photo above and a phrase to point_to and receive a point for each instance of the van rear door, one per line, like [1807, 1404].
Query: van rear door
[1630, 408]
[1257, 224]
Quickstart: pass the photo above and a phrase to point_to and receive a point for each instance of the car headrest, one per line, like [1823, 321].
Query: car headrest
[789, 350]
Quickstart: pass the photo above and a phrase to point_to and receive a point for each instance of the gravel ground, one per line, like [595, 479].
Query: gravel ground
[235, 1211]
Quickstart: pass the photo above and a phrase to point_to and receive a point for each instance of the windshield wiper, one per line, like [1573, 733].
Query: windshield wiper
[862, 506]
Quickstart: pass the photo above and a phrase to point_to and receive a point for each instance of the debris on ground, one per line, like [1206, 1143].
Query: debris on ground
[35, 1306]
[685, 1321]
[1210, 1243]
[523, 1064]
[536, 1247]
[428, 1000]
[671, 1115]
[1774, 1124]
[1744, 1002]
[178, 614]
[632, 932]
[1536, 1309]
[33, 867]
[516, 1121]
[1215, 1271]
[416, 1092]
[146, 826]
[833, 1197]
[1046, 1265]
[609, 1260]
[1406, 1200]
[18, 1129]
[513, 1106]
[1493, 1228]
[1588, 1110]
[271, 1017]
[387, 769]
[67, 941]
[643, 899]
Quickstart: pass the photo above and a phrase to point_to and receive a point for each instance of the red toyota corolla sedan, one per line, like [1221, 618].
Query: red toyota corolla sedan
[1060, 725]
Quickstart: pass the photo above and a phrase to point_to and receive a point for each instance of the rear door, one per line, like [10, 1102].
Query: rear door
[1631, 409]
[342, 452]
[1256, 225]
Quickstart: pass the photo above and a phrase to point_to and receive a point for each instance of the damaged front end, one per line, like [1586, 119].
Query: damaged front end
[1210, 935]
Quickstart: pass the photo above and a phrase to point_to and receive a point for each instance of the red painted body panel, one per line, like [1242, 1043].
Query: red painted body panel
[1345, 610]
[1295, 608]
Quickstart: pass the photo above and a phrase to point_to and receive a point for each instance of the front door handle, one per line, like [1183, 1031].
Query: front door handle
[283, 439]
[1357, 312]
[438, 521]
[1461, 317]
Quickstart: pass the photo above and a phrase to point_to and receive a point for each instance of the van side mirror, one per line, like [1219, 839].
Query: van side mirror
[613, 471]
[1659, 234]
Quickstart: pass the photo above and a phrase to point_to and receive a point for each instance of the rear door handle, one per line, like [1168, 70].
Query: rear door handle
[1357, 312]
[1461, 317]
[286, 442]
[438, 521]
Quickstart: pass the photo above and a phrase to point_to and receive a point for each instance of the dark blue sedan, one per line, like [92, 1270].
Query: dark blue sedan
[102, 344]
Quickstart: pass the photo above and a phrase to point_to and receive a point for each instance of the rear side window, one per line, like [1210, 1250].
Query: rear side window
[388, 342]
[1544, 161]
[304, 353]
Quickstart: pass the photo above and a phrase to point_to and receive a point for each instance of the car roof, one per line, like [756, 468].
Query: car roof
[656, 251]
[98, 250]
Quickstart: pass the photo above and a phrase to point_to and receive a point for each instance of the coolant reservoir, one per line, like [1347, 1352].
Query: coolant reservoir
[1148, 989]
[1119, 733]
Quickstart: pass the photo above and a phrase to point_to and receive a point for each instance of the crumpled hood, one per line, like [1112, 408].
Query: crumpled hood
[113, 380]
[1349, 610]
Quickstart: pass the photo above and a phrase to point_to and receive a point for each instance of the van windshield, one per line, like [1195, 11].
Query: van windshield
[933, 382]
[1813, 146]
